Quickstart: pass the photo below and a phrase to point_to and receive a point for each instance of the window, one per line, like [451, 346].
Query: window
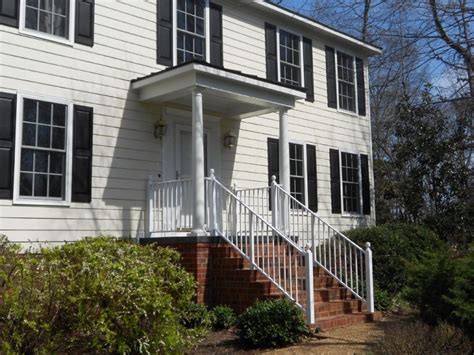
[50, 18]
[290, 65]
[191, 30]
[42, 166]
[350, 182]
[290, 70]
[346, 82]
[297, 181]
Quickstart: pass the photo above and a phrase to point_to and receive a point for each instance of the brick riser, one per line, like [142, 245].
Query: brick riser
[335, 306]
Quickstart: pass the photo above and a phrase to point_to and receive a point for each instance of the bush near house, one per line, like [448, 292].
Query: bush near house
[441, 287]
[223, 317]
[271, 323]
[99, 295]
[394, 247]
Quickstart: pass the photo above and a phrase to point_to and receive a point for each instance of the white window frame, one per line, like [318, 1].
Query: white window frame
[43, 201]
[207, 31]
[278, 29]
[305, 168]
[344, 213]
[356, 103]
[47, 36]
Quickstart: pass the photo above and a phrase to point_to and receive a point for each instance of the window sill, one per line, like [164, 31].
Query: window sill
[352, 215]
[46, 37]
[40, 202]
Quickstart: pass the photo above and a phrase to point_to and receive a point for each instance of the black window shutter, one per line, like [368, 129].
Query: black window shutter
[308, 68]
[217, 50]
[164, 28]
[9, 12]
[331, 77]
[335, 181]
[271, 51]
[7, 144]
[85, 22]
[360, 86]
[82, 154]
[273, 159]
[364, 165]
[312, 175]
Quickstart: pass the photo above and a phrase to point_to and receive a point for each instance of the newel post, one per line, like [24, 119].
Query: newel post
[310, 317]
[234, 212]
[369, 278]
[149, 214]
[273, 202]
[213, 202]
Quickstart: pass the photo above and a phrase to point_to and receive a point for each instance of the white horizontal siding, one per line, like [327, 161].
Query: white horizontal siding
[125, 151]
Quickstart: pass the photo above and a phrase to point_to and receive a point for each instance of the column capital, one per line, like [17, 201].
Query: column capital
[283, 110]
[197, 90]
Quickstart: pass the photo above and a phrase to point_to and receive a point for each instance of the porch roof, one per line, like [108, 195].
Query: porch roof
[226, 93]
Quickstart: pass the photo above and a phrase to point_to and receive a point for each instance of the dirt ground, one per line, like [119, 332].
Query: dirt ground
[354, 339]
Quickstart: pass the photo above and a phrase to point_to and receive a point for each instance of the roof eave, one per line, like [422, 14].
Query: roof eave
[369, 49]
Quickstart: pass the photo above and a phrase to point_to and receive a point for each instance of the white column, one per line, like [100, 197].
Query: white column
[198, 164]
[284, 150]
[369, 278]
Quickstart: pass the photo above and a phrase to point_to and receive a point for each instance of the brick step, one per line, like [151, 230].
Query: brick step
[332, 294]
[333, 308]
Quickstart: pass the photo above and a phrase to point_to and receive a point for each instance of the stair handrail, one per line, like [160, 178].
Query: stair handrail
[248, 246]
[369, 287]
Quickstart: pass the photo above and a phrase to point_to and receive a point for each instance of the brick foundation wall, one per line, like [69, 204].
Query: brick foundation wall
[222, 275]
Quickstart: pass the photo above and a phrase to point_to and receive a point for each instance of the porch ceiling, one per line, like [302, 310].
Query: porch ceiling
[226, 93]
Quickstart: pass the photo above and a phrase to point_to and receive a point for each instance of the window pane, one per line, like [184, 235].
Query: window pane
[59, 115]
[29, 134]
[56, 163]
[26, 160]
[200, 26]
[190, 23]
[33, 3]
[181, 5]
[55, 186]
[29, 110]
[59, 26]
[45, 22]
[44, 115]
[200, 4]
[60, 7]
[26, 184]
[44, 136]
[41, 182]
[41, 162]
[58, 138]
[46, 5]
[199, 46]
[190, 6]
[181, 20]
[31, 18]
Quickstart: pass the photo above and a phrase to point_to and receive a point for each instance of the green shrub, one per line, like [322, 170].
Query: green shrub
[98, 295]
[271, 323]
[441, 286]
[223, 317]
[197, 316]
[418, 338]
[393, 246]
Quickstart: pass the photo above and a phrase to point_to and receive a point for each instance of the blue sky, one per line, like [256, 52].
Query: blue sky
[299, 5]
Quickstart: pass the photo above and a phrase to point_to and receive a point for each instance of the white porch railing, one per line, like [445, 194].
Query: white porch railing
[288, 266]
[169, 206]
[333, 251]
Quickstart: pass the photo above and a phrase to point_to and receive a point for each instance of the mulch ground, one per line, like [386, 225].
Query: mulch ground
[354, 339]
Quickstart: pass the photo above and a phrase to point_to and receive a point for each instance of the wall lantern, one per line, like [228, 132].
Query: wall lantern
[159, 129]
[230, 140]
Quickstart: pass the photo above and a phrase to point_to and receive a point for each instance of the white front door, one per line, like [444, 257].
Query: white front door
[184, 150]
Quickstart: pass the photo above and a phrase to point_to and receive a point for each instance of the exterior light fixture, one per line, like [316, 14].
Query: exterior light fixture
[230, 140]
[159, 129]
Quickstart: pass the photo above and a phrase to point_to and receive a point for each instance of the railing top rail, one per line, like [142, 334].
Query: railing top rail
[156, 182]
[253, 188]
[319, 218]
[273, 229]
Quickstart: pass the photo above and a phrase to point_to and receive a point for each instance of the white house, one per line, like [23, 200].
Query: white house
[113, 113]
